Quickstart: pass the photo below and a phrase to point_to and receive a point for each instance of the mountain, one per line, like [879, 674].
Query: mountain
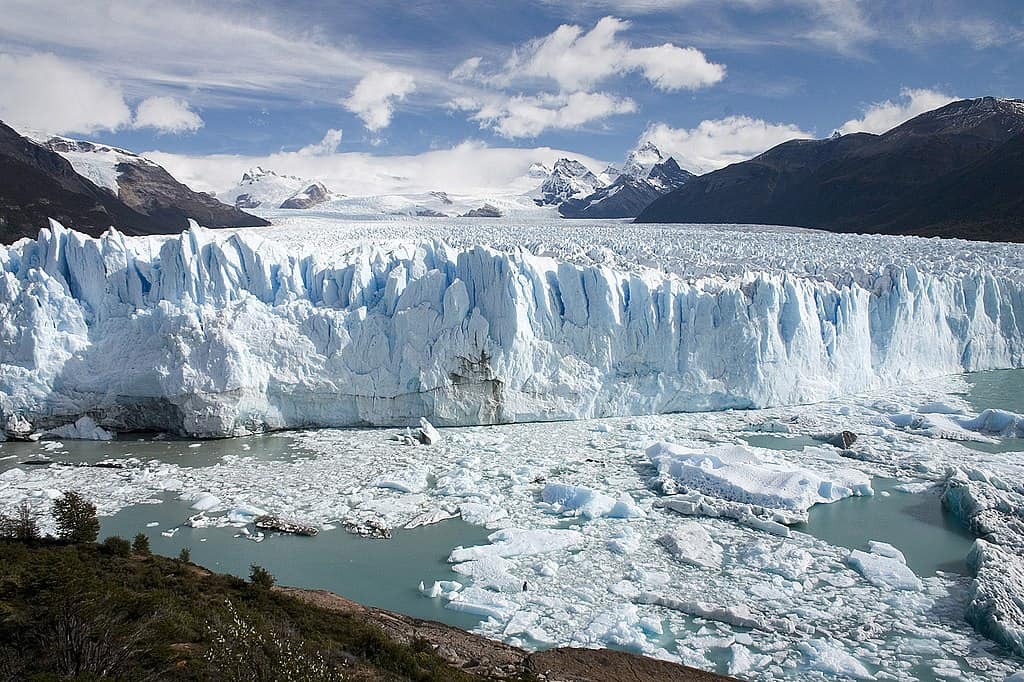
[262, 188]
[146, 187]
[136, 197]
[568, 178]
[313, 195]
[633, 190]
[956, 171]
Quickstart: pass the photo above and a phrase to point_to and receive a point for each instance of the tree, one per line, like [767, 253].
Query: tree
[117, 546]
[76, 518]
[185, 555]
[140, 545]
[260, 577]
[22, 526]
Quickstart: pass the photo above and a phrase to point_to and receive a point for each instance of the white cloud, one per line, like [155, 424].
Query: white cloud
[167, 115]
[883, 116]
[578, 60]
[529, 116]
[327, 145]
[373, 98]
[717, 143]
[468, 168]
[466, 70]
[45, 93]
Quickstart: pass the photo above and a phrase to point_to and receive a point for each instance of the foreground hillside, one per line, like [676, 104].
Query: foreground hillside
[957, 171]
[86, 612]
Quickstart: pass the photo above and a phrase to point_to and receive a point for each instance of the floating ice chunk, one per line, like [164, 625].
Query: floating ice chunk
[205, 502]
[429, 518]
[511, 542]
[428, 434]
[690, 544]
[82, 429]
[480, 514]
[740, 616]
[752, 476]
[884, 566]
[441, 588]
[823, 656]
[406, 481]
[996, 607]
[742, 662]
[547, 569]
[785, 560]
[244, 513]
[485, 603]
[171, 484]
[590, 503]
[491, 572]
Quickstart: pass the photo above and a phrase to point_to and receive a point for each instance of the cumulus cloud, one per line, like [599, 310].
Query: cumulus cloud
[327, 145]
[528, 116]
[716, 143]
[373, 98]
[467, 168]
[578, 60]
[166, 115]
[45, 93]
[883, 116]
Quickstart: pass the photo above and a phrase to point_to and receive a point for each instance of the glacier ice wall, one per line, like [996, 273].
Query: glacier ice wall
[211, 335]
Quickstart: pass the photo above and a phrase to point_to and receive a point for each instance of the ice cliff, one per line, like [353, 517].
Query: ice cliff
[213, 335]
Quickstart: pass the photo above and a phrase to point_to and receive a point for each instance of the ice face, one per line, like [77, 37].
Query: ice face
[215, 334]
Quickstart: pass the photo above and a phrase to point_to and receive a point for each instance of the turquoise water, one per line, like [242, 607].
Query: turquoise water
[930, 538]
[1002, 389]
[184, 453]
[382, 573]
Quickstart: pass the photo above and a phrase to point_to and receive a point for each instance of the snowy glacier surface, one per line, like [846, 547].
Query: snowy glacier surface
[323, 322]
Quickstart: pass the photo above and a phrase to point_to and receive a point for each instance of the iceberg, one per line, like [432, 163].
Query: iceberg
[214, 334]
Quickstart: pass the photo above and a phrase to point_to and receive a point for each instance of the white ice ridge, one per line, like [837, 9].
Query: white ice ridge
[219, 334]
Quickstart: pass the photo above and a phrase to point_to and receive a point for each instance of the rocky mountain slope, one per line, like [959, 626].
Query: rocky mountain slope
[96, 188]
[956, 171]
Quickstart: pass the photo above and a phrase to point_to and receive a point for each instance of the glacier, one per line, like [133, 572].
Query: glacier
[214, 334]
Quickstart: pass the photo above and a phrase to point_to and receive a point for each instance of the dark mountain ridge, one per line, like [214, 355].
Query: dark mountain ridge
[955, 171]
[37, 183]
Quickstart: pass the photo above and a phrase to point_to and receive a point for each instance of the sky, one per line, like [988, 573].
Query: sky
[209, 88]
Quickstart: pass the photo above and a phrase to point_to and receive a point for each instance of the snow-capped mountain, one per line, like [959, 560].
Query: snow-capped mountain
[94, 187]
[641, 160]
[263, 188]
[647, 174]
[568, 178]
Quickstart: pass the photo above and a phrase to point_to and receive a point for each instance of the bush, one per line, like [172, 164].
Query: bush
[185, 555]
[260, 577]
[140, 545]
[76, 518]
[22, 526]
[117, 546]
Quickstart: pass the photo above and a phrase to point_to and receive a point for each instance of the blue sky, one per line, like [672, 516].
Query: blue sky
[713, 81]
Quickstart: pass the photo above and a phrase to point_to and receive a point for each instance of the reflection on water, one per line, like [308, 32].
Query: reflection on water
[382, 573]
[930, 538]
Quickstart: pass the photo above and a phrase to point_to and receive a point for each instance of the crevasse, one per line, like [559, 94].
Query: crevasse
[215, 335]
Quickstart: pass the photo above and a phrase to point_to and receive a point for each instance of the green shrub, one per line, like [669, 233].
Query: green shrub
[76, 518]
[185, 555]
[260, 577]
[140, 545]
[117, 546]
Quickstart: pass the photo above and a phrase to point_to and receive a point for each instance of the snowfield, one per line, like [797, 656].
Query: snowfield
[323, 322]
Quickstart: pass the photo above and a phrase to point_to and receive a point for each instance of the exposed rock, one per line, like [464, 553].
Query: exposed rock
[311, 196]
[283, 525]
[569, 178]
[485, 211]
